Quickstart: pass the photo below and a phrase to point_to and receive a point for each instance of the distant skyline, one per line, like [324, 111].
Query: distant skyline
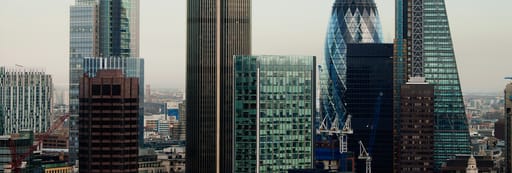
[35, 33]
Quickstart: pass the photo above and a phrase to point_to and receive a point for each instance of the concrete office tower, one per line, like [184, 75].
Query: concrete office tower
[180, 131]
[424, 48]
[131, 67]
[416, 140]
[508, 127]
[98, 28]
[370, 98]
[108, 133]
[25, 99]
[274, 113]
[216, 30]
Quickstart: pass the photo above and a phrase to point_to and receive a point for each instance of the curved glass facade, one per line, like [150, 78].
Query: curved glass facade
[352, 21]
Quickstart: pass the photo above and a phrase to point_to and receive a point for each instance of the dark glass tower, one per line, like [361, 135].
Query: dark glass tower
[369, 100]
[423, 48]
[216, 31]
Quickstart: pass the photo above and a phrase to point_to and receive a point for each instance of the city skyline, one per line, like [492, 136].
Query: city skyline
[481, 66]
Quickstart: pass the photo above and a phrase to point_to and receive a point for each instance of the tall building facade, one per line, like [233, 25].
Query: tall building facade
[216, 31]
[423, 47]
[508, 127]
[369, 96]
[351, 21]
[25, 99]
[274, 113]
[98, 28]
[108, 130]
[416, 140]
[131, 67]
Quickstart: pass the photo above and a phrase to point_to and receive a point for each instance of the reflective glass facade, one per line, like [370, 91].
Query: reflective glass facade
[451, 133]
[216, 30]
[82, 43]
[369, 97]
[352, 21]
[274, 113]
[119, 28]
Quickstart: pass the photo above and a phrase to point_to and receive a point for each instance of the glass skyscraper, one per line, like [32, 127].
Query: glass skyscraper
[424, 48]
[216, 31]
[352, 21]
[274, 108]
[98, 28]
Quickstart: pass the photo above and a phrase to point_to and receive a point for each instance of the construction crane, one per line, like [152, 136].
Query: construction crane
[16, 160]
[364, 155]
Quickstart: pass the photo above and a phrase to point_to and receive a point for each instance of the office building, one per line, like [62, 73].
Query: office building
[274, 113]
[416, 140]
[131, 67]
[351, 21]
[216, 30]
[98, 28]
[508, 127]
[180, 130]
[26, 99]
[108, 133]
[23, 141]
[370, 96]
[148, 162]
[423, 46]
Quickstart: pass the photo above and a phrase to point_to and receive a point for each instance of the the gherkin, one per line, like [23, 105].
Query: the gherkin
[351, 21]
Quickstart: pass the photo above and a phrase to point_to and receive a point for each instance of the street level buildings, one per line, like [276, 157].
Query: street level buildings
[424, 48]
[108, 133]
[216, 31]
[274, 113]
[25, 100]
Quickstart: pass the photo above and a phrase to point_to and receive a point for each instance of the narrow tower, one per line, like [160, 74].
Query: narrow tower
[216, 31]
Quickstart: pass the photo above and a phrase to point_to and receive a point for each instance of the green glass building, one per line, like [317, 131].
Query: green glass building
[423, 47]
[274, 109]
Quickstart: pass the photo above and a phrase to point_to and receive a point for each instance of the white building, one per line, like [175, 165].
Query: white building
[25, 99]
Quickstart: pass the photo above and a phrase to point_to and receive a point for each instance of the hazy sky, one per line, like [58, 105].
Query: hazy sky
[36, 33]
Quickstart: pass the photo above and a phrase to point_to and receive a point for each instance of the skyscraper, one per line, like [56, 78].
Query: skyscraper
[424, 48]
[25, 99]
[274, 113]
[82, 43]
[352, 21]
[108, 130]
[370, 96]
[508, 127]
[416, 140]
[216, 30]
[98, 28]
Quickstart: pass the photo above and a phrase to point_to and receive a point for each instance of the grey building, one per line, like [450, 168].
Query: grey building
[98, 28]
[274, 110]
[23, 141]
[26, 99]
[216, 30]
